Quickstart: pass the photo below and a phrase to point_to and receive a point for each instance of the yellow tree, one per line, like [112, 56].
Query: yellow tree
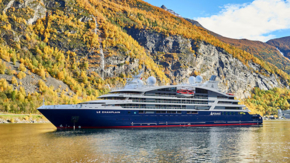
[14, 81]
[22, 67]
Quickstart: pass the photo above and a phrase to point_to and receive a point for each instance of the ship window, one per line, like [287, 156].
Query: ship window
[149, 94]
[201, 96]
[113, 98]
[126, 92]
[232, 108]
[149, 112]
[107, 105]
[190, 107]
[224, 97]
[224, 102]
[160, 112]
[141, 112]
[192, 112]
[198, 90]
[150, 100]
[129, 112]
[202, 108]
[93, 103]
[178, 112]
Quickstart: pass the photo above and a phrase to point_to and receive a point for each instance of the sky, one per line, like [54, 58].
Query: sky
[240, 19]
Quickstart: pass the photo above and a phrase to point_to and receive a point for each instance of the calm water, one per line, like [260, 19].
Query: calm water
[42, 143]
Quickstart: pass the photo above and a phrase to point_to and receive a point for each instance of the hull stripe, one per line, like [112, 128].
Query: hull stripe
[160, 126]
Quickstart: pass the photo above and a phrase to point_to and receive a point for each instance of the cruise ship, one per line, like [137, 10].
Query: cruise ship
[140, 105]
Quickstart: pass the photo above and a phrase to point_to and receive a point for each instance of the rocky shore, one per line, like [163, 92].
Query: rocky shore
[17, 120]
[22, 118]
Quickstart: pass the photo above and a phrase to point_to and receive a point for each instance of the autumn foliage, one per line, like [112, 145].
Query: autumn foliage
[67, 42]
[268, 102]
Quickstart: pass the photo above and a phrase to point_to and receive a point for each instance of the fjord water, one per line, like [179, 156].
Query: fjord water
[43, 143]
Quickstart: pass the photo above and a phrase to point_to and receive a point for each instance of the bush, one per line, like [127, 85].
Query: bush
[26, 118]
[9, 72]
[14, 81]
[21, 75]
[22, 67]
[2, 67]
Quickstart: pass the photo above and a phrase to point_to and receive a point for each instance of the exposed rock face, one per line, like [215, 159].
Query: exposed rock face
[233, 75]
[261, 50]
[194, 22]
[38, 8]
[39, 12]
[171, 11]
[155, 42]
[180, 60]
[30, 82]
[116, 65]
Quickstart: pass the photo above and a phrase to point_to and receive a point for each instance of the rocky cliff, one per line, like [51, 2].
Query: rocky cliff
[169, 10]
[275, 51]
[181, 57]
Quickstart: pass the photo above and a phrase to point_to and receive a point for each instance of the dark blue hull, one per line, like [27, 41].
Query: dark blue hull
[82, 118]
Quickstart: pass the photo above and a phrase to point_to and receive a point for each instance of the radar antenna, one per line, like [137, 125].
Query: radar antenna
[139, 75]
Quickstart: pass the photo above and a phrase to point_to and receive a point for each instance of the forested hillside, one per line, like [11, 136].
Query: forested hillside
[267, 102]
[66, 51]
[283, 44]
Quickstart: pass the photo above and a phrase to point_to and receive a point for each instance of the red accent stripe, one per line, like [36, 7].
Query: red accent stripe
[160, 126]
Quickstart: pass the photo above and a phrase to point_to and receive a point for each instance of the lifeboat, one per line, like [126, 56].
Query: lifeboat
[184, 93]
[231, 94]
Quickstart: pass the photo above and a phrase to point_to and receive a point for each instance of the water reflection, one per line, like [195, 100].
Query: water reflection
[41, 142]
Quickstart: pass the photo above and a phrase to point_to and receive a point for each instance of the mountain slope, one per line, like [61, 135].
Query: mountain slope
[92, 46]
[283, 44]
[261, 50]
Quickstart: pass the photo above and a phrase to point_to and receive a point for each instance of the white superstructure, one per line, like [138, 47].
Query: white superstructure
[137, 96]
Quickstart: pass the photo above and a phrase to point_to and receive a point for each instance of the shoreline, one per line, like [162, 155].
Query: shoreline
[22, 118]
[7, 121]
[17, 120]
